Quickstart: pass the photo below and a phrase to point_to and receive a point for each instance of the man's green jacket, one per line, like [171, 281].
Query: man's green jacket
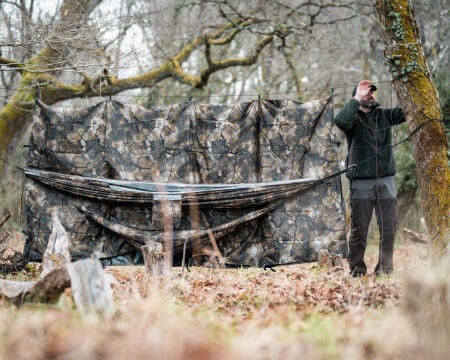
[369, 134]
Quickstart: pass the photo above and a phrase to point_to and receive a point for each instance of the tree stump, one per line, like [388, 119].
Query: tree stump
[57, 251]
[91, 286]
[154, 259]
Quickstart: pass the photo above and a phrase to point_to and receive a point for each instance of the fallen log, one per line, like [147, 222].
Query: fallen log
[49, 287]
[91, 287]
[45, 289]
[12, 290]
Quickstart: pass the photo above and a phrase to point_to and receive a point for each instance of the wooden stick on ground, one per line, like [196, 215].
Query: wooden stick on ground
[415, 236]
[216, 248]
[6, 218]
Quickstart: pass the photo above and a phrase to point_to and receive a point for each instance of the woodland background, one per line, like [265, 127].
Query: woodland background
[76, 53]
[280, 49]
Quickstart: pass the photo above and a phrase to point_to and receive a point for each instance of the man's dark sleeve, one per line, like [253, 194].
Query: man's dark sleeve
[395, 116]
[344, 120]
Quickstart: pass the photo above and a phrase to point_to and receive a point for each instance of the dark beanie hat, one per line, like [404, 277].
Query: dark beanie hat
[373, 87]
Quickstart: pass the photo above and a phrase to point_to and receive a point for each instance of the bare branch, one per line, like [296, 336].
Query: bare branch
[220, 65]
[12, 64]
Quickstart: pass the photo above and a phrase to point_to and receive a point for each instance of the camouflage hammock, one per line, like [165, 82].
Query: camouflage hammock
[254, 172]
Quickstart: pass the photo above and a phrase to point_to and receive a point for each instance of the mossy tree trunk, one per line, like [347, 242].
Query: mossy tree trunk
[420, 102]
[35, 74]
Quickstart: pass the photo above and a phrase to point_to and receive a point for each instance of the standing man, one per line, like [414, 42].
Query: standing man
[368, 131]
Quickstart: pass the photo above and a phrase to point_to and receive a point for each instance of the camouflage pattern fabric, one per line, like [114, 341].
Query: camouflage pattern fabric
[167, 201]
[188, 143]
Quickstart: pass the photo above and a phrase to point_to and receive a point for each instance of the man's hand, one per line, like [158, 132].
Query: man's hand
[362, 90]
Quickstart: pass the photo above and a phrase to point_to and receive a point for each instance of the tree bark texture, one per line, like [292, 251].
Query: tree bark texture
[154, 261]
[420, 102]
[91, 286]
[48, 288]
[57, 251]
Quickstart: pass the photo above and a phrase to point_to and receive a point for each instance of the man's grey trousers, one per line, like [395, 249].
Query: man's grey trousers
[365, 195]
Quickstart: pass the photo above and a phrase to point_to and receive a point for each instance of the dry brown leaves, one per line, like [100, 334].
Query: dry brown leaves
[302, 311]
[242, 292]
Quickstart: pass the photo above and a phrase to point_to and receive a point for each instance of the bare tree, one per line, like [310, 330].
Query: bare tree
[76, 41]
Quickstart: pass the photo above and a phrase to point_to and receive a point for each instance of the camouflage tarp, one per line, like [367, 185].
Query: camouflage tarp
[189, 143]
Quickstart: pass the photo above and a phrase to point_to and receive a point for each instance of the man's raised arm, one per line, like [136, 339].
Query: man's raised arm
[344, 120]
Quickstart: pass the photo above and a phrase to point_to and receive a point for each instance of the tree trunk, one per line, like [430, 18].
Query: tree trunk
[48, 288]
[17, 114]
[420, 103]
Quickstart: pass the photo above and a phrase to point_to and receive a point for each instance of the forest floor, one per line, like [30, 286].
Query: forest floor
[301, 311]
